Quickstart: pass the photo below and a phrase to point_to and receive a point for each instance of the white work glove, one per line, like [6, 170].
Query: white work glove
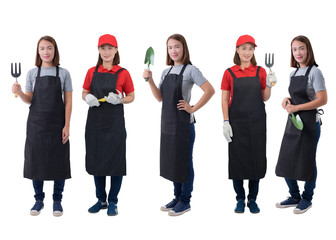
[114, 98]
[271, 79]
[91, 100]
[227, 131]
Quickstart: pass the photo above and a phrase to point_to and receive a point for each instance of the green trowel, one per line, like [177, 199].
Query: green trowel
[296, 120]
[149, 58]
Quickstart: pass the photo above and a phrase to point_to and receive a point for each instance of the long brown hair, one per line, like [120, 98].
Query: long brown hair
[56, 59]
[310, 54]
[116, 59]
[186, 56]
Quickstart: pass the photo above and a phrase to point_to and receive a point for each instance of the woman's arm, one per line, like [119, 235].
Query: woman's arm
[225, 104]
[321, 99]
[129, 97]
[266, 93]
[208, 90]
[84, 93]
[156, 92]
[68, 110]
[25, 97]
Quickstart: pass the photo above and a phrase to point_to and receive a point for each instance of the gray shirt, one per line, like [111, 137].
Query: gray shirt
[315, 82]
[191, 75]
[64, 75]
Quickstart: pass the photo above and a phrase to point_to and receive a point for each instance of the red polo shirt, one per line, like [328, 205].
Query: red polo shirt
[251, 71]
[124, 81]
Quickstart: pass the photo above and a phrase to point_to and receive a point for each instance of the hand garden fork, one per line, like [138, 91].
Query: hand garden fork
[269, 63]
[16, 74]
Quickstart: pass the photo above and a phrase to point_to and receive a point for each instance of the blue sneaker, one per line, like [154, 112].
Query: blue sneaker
[289, 202]
[112, 209]
[57, 209]
[179, 209]
[253, 206]
[97, 207]
[36, 209]
[303, 206]
[240, 208]
[169, 206]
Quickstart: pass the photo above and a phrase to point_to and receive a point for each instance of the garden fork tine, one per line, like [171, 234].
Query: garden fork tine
[268, 62]
[17, 73]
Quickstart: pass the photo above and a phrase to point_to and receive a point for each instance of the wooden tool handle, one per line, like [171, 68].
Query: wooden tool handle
[272, 83]
[16, 95]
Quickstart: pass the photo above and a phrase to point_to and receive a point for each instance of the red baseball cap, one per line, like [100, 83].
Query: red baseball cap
[245, 39]
[107, 39]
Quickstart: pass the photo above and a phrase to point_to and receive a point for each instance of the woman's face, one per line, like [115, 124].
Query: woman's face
[299, 51]
[245, 52]
[107, 52]
[175, 51]
[47, 52]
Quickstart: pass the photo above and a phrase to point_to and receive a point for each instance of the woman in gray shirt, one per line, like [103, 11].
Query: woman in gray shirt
[297, 157]
[177, 121]
[49, 94]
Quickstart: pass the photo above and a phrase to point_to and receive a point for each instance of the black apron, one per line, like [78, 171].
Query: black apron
[175, 130]
[247, 151]
[297, 152]
[105, 134]
[46, 157]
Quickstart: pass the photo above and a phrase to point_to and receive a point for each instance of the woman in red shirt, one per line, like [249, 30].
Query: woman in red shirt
[105, 135]
[245, 87]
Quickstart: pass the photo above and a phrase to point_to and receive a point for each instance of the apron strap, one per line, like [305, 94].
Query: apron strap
[38, 72]
[57, 71]
[232, 74]
[295, 72]
[258, 71]
[182, 71]
[119, 70]
[169, 70]
[308, 70]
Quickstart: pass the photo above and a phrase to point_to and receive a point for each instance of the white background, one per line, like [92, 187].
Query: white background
[211, 29]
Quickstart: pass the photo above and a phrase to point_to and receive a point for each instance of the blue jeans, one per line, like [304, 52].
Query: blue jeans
[100, 182]
[58, 190]
[182, 191]
[309, 186]
[238, 186]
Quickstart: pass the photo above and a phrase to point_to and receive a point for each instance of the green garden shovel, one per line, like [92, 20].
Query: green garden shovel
[149, 58]
[296, 120]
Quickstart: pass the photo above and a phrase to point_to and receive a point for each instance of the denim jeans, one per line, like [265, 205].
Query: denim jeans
[58, 190]
[238, 186]
[100, 182]
[182, 191]
[309, 186]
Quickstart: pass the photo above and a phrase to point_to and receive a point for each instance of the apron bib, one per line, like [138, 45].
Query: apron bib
[247, 151]
[105, 134]
[175, 130]
[297, 153]
[46, 157]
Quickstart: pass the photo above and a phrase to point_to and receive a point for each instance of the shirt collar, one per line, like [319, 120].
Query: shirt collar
[114, 69]
[237, 68]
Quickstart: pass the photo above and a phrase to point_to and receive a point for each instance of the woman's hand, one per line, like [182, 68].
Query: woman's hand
[285, 102]
[147, 74]
[291, 108]
[183, 105]
[16, 88]
[65, 134]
